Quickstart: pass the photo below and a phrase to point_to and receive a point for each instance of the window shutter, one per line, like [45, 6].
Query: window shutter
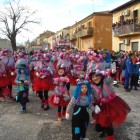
[139, 16]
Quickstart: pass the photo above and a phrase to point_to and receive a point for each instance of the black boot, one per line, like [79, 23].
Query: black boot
[102, 134]
[131, 88]
[46, 107]
[127, 90]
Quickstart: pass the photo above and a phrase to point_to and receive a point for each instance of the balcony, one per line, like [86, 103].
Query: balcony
[126, 30]
[84, 32]
[73, 37]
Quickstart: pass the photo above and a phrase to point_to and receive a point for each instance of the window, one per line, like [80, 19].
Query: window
[83, 26]
[89, 24]
[121, 47]
[135, 16]
[135, 46]
[122, 18]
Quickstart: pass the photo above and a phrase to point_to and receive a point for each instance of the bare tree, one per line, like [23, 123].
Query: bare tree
[15, 18]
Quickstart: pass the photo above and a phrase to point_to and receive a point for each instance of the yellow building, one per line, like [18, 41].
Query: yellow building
[126, 26]
[94, 31]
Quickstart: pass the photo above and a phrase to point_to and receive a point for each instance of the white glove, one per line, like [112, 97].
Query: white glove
[37, 74]
[42, 76]
[113, 71]
[48, 68]
[97, 109]
[67, 116]
[12, 73]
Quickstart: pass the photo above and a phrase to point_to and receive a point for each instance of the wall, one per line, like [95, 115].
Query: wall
[103, 31]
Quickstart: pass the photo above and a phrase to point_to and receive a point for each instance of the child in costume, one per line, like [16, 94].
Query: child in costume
[77, 70]
[61, 96]
[64, 61]
[9, 63]
[4, 81]
[80, 103]
[22, 80]
[43, 79]
[113, 109]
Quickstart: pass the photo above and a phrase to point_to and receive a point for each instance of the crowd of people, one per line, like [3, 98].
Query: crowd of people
[125, 22]
[92, 72]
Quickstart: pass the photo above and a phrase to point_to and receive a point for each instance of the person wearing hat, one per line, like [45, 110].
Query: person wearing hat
[44, 71]
[61, 96]
[113, 109]
[9, 62]
[64, 63]
[80, 103]
[4, 82]
[22, 80]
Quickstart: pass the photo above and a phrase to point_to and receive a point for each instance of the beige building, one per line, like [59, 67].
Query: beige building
[50, 42]
[43, 38]
[94, 31]
[126, 26]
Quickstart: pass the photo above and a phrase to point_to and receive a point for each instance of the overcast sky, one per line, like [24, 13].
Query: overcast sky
[57, 14]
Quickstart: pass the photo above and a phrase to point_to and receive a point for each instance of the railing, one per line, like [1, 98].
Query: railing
[128, 29]
[84, 32]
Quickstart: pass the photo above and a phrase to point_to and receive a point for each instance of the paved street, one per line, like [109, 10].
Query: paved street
[38, 124]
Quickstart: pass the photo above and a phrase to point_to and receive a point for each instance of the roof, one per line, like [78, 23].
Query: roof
[91, 16]
[47, 34]
[125, 5]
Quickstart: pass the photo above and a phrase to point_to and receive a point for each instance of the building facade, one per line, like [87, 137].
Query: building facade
[5, 44]
[94, 31]
[126, 26]
[62, 37]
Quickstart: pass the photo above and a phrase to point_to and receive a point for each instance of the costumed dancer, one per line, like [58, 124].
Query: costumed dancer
[4, 81]
[94, 61]
[66, 62]
[22, 60]
[9, 62]
[80, 103]
[77, 70]
[32, 64]
[22, 80]
[113, 109]
[61, 96]
[43, 79]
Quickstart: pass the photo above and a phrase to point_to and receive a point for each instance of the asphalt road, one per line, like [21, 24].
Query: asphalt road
[38, 124]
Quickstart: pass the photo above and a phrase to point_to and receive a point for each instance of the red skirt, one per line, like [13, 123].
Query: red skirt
[73, 80]
[42, 84]
[113, 113]
[11, 78]
[62, 102]
[32, 75]
[4, 81]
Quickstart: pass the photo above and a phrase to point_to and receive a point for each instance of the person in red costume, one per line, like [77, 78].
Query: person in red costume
[113, 110]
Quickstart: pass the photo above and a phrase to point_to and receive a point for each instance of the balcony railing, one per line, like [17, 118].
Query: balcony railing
[84, 32]
[126, 30]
